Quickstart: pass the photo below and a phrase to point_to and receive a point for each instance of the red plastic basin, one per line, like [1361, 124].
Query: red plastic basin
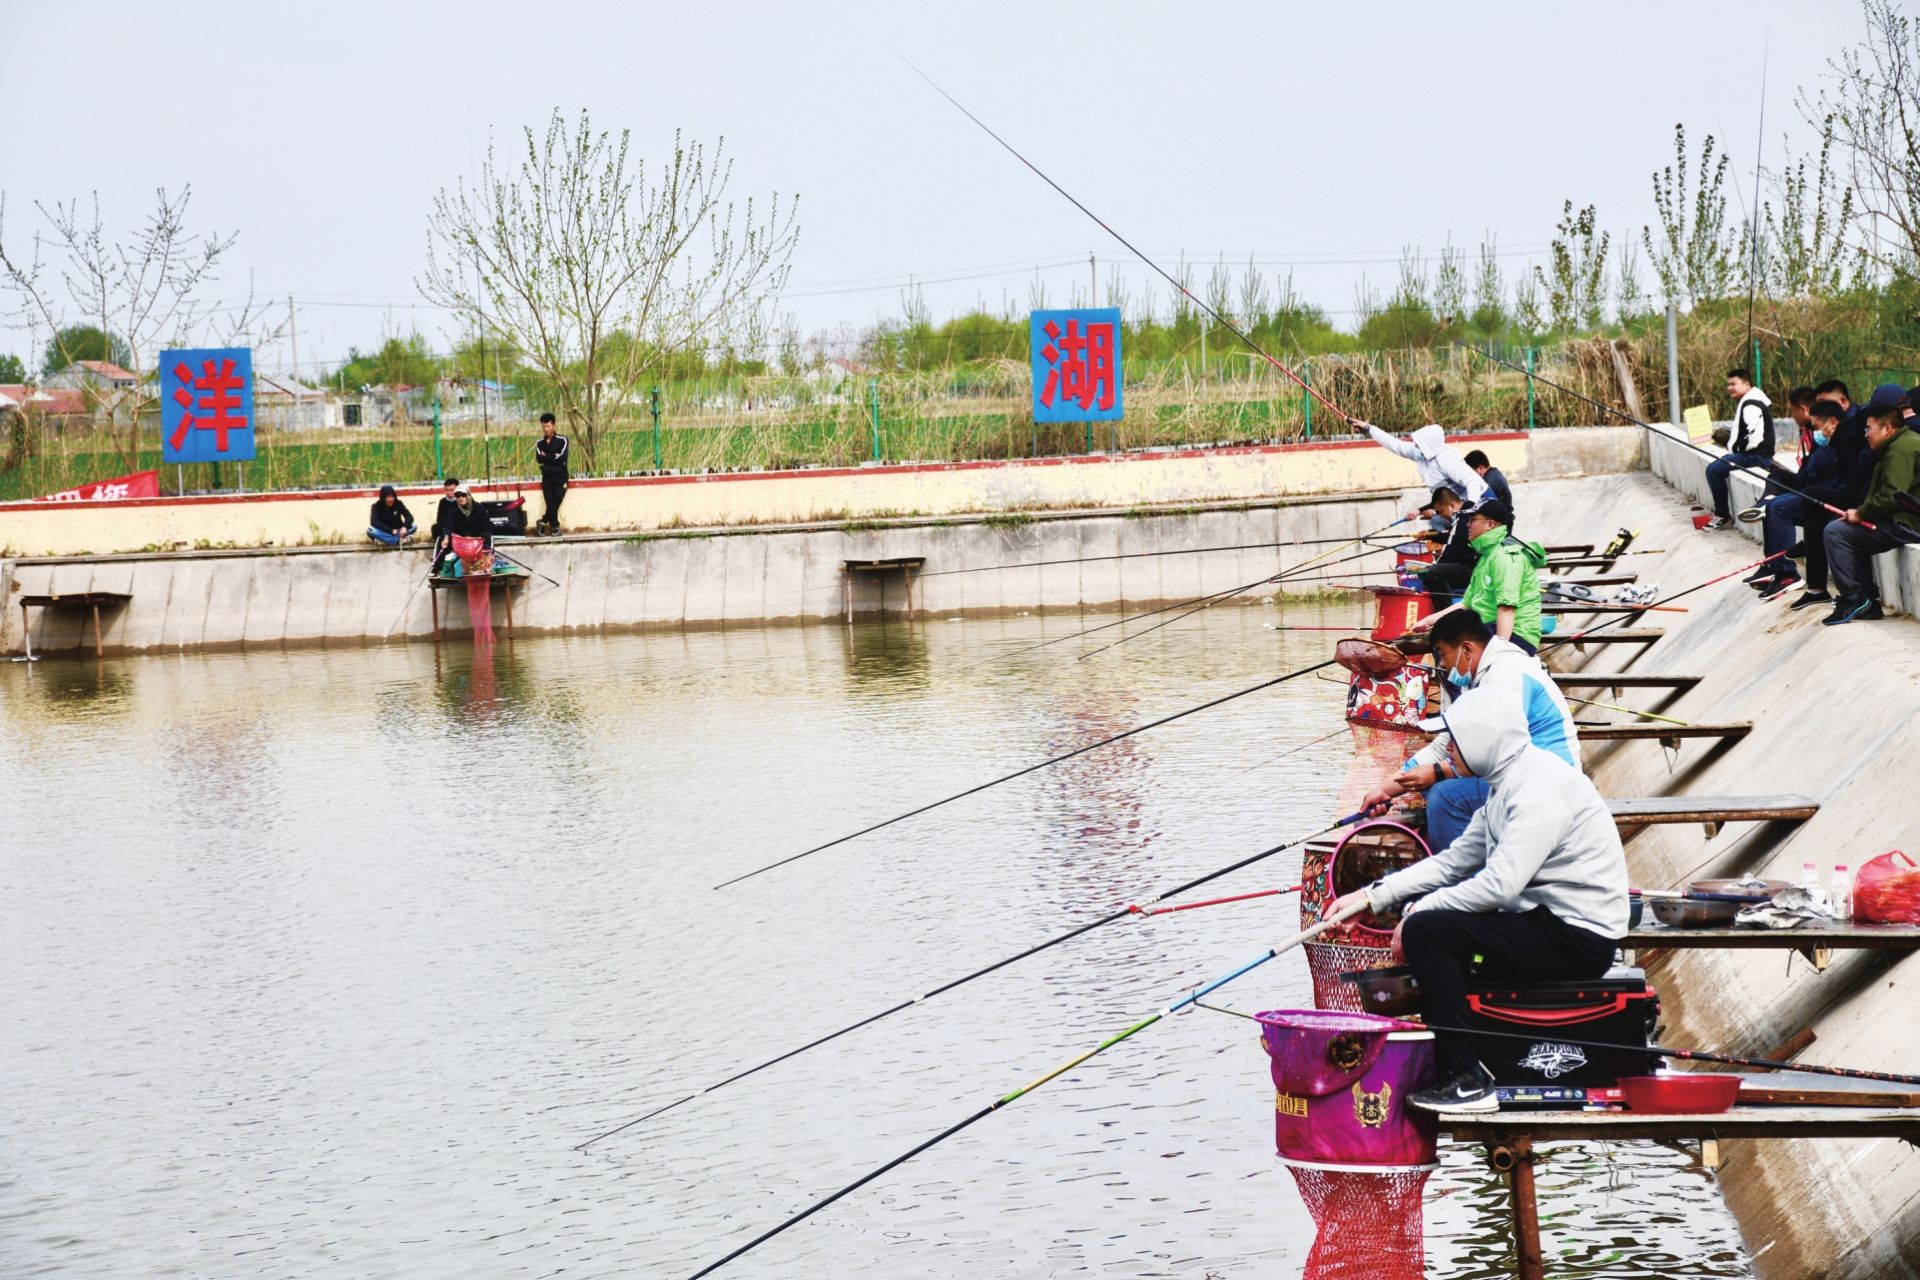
[1680, 1093]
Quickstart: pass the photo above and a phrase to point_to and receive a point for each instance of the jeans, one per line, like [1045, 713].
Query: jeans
[1446, 947]
[1787, 513]
[384, 538]
[1451, 804]
[1851, 549]
[1717, 472]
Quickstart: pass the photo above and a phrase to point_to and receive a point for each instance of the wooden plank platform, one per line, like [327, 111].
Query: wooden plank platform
[1622, 680]
[1612, 635]
[1665, 734]
[435, 584]
[1740, 1122]
[1634, 813]
[1841, 935]
[89, 601]
[1598, 606]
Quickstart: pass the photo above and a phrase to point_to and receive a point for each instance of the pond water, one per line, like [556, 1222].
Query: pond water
[321, 963]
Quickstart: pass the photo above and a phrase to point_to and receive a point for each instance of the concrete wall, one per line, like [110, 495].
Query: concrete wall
[351, 596]
[1100, 481]
[1685, 468]
[1837, 717]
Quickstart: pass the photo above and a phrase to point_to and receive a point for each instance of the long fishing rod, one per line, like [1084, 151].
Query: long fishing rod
[1773, 473]
[1615, 621]
[1021, 773]
[1753, 234]
[1305, 935]
[1132, 908]
[1136, 555]
[1164, 274]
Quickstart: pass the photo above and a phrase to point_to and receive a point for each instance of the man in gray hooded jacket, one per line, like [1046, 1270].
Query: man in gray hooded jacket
[1535, 888]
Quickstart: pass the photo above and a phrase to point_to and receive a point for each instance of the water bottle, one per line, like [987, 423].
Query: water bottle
[1809, 877]
[1842, 894]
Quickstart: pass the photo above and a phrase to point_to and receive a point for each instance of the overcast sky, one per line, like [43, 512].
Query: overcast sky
[1328, 136]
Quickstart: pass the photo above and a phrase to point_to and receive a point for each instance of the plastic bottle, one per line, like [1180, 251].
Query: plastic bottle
[1841, 893]
[1809, 876]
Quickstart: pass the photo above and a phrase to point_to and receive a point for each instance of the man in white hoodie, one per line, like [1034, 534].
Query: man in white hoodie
[1749, 442]
[1534, 889]
[1468, 655]
[1433, 457]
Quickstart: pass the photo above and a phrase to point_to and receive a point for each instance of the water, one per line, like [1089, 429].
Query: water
[320, 963]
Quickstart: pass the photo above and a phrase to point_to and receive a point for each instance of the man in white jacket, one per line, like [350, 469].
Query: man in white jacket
[1534, 889]
[1749, 442]
[1433, 457]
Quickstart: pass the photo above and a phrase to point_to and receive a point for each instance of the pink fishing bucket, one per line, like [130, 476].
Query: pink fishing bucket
[1341, 1083]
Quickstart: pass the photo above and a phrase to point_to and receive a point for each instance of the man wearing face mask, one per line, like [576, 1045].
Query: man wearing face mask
[1468, 655]
[1800, 518]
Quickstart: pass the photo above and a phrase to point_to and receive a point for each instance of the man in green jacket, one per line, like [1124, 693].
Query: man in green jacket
[1851, 545]
[1505, 587]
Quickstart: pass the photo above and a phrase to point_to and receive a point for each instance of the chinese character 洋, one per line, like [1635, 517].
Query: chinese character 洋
[1080, 366]
[219, 385]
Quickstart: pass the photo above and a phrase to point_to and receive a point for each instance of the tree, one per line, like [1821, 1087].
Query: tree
[1871, 107]
[1810, 233]
[84, 342]
[1694, 257]
[399, 362]
[1576, 287]
[573, 246]
[11, 369]
[1489, 290]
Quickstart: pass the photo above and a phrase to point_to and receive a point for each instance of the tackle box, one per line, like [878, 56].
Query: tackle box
[1536, 1021]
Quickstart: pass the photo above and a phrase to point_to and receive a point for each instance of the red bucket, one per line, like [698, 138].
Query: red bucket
[1396, 609]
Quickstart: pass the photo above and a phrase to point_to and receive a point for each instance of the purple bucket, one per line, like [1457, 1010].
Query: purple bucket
[1341, 1083]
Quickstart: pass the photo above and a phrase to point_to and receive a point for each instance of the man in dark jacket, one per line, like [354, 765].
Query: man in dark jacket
[1452, 569]
[1817, 482]
[1749, 445]
[551, 450]
[1849, 439]
[1851, 545]
[390, 523]
[1484, 468]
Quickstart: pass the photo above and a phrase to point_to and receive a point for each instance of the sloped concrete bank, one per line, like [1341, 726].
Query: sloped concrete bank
[1836, 712]
[702, 578]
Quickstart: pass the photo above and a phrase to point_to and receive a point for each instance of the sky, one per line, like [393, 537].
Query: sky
[1321, 139]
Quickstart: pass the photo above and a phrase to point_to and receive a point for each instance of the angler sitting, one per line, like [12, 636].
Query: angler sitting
[1749, 442]
[1496, 481]
[1851, 545]
[1467, 656]
[390, 523]
[1452, 569]
[1432, 456]
[1505, 587]
[1535, 888]
[1818, 483]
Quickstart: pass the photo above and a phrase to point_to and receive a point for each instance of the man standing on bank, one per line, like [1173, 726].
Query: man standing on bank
[551, 451]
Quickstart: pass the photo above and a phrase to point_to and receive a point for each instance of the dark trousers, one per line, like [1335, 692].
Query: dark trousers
[1851, 549]
[553, 488]
[1720, 467]
[1449, 949]
[1446, 582]
[1786, 516]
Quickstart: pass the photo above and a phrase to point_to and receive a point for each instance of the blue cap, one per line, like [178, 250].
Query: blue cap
[1887, 397]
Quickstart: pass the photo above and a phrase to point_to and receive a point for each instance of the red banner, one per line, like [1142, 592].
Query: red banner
[141, 484]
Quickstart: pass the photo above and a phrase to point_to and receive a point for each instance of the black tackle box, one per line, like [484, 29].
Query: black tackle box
[1543, 1033]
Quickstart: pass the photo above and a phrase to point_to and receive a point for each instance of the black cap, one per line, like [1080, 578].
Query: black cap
[1491, 509]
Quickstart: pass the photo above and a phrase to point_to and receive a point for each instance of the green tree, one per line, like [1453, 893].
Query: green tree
[12, 369]
[1576, 285]
[79, 342]
[400, 362]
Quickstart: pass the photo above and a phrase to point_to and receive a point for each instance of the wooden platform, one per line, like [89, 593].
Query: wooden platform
[1840, 935]
[1667, 735]
[1632, 813]
[436, 584]
[1621, 680]
[89, 601]
[905, 566]
[1612, 635]
[1601, 606]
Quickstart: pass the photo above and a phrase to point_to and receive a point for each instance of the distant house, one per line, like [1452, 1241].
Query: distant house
[93, 375]
[470, 399]
[287, 405]
[43, 403]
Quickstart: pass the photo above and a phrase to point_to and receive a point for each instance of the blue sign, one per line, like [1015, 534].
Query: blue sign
[1076, 365]
[206, 405]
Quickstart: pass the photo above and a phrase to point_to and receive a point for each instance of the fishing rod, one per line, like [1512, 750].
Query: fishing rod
[1753, 234]
[1631, 711]
[1305, 935]
[1021, 773]
[1615, 621]
[1773, 472]
[1164, 274]
[1132, 908]
[1138, 555]
[1214, 902]
[516, 564]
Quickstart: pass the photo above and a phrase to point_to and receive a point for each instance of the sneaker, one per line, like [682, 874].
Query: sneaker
[1718, 522]
[1471, 1090]
[1778, 587]
[1811, 599]
[1764, 574]
[1853, 611]
[1753, 514]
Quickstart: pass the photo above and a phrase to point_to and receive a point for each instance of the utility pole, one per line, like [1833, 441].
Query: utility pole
[293, 331]
[1093, 281]
[1673, 366]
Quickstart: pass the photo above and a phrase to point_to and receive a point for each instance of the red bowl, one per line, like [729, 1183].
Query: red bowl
[1680, 1093]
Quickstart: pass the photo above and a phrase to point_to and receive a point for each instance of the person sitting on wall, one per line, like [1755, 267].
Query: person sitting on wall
[1819, 481]
[462, 518]
[1432, 456]
[1467, 655]
[1535, 888]
[1749, 442]
[1800, 406]
[1851, 545]
[1452, 569]
[1505, 588]
[390, 524]
[1484, 468]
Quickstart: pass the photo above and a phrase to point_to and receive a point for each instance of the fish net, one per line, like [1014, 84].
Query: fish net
[1326, 961]
[476, 566]
[1368, 1223]
[1368, 657]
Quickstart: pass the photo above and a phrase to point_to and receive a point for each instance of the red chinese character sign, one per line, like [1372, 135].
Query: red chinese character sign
[206, 405]
[1076, 365]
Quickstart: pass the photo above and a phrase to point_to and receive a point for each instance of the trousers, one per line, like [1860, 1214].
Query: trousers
[1851, 549]
[1721, 467]
[1789, 512]
[1446, 949]
[553, 487]
[1451, 804]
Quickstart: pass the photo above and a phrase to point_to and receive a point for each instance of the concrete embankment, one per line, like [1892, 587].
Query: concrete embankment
[1836, 712]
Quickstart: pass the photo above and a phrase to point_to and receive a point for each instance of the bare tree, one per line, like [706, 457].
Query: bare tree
[597, 275]
[1871, 107]
[1450, 285]
[1256, 302]
[142, 288]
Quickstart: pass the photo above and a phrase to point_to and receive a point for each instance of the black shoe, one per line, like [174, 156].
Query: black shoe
[1471, 1090]
[1764, 574]
[1719, 522]
[1853, 611]
[1778, 588]
[1811, 599]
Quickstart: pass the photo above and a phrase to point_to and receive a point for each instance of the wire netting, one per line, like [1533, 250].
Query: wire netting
[1368, 1222]
[1326, 961]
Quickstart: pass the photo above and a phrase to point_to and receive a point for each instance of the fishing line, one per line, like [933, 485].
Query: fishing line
[1037, 1082]
[1132, 908]
[1136, 555]
[1021, 773]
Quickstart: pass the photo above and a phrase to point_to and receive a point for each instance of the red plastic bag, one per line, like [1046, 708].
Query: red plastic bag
[1887, 890]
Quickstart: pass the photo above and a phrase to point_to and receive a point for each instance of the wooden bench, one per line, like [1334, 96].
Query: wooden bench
[1617, 680]
[1612, 635]
[91, 601]
[905, 566]
[1604, 606]
[1817, 942]
[1633, 814]
[507, 581]
[1667, 735]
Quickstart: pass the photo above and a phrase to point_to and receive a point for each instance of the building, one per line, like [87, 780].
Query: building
[101, 376]
[282, 404]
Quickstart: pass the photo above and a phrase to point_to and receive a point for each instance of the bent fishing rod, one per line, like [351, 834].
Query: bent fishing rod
[1132, 908]
[1032, 768]
[1192, 998]
[1774, 473]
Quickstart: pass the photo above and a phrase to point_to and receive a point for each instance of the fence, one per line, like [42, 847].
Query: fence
[982, 411]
